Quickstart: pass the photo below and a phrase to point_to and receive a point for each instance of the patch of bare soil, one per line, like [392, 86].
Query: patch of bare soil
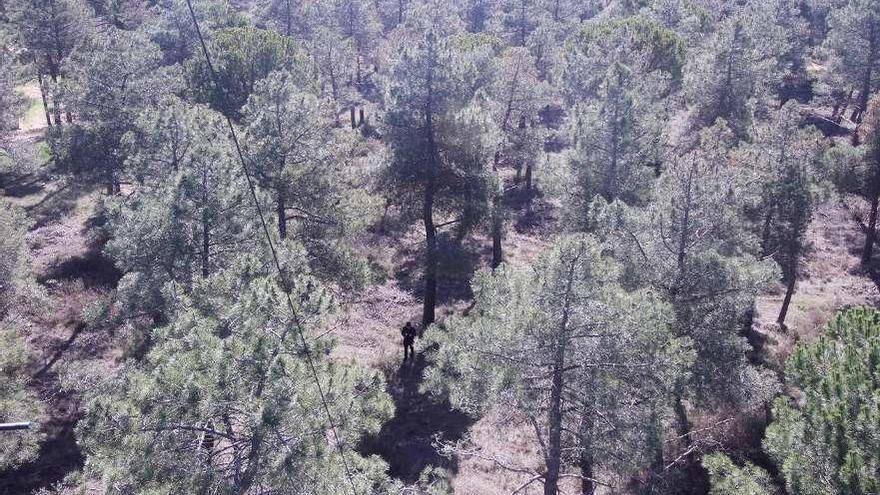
[500, 457]
[832, 279]
[368, 333]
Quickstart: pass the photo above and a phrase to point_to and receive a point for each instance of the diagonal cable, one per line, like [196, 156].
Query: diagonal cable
[284, 286]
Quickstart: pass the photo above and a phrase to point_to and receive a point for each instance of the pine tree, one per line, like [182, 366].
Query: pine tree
[615, 142]
[17, 296]
[226, 402]
[516, 96]
[697, 254]
[190, 214]
[393, 13]
[242, 56]
[438, 157]
[785, 158]
[333, 55]
[857, 171]
[13, 153]
[652, 53]
[478, 14]
[614, 74]
[49, 30]
[563, 345]
[783, 32]
[172, 28]
[827, 442]
[543, 44]
[517, 19]
[731, 75]
[729, 479]
[311, 171]
[854, 38]
[290, 18]
[17, 402]
[113, 79]
[355, 21]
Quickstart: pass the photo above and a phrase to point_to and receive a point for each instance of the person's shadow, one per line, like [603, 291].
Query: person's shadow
[406, 441]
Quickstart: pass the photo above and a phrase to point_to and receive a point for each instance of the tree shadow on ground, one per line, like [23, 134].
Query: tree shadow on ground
[59, 453]
[534, 214]
[72, 283]
[56, 204]
[23, 185]
[406, 442]
[95, 270]
[456, 263]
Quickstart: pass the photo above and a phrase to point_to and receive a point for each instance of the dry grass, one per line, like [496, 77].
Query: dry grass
[34, 117]
[498, 440]
[832, 279]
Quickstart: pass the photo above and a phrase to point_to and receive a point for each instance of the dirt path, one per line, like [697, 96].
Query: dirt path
[74, 275]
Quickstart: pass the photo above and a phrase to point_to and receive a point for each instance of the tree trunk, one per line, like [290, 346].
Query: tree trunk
[43, 94]
[430, 299]
[609, 188]
[586, 465]
[205, 244]
[868, 252]
[360, 116]
[765, 232]
[789, 291]
[206, 241]
[685, 227]
[111, 181]
[846, 103]
[281, 208]
[289, 23]
[585, 456]
[554, 441]
[865, 91]
[529, 178]
[864, 94]
[56, 109]
[497, 230]
[835, 109]
[655, 439]
[554, 414]
[353, 121]
[684, 426]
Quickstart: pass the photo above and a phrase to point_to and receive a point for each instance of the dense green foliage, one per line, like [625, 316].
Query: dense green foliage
[827, 441]
[729, 479]
[16, 296]
[223, 401]
[594, 203]
[586, 362]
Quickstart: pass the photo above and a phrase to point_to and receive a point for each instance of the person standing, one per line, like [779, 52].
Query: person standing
[409, 338]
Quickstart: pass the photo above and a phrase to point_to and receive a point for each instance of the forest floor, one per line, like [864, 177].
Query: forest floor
[832, 279]
[72, 272]
[69, 266]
